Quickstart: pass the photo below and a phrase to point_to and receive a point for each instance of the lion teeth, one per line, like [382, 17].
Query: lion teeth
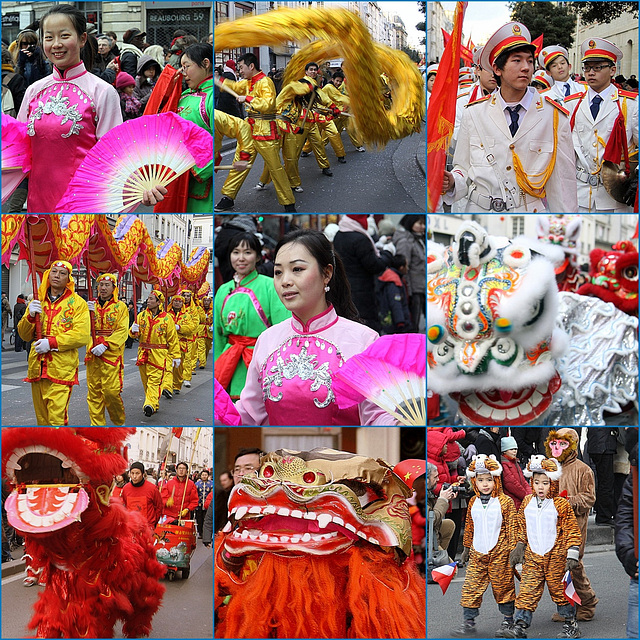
[263, 538]
[255, 510]
[268, 510]
[337, 520]
[227, 528]
[306, 537]
[241, 512]
[283, 511]
[323, 520]
[310, 515]
[350, 527]
[296, 514]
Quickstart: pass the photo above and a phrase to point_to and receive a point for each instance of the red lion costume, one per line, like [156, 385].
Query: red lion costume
[98, 560]
[316, 547]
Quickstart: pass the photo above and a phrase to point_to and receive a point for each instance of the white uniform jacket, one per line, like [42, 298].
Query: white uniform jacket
[483, 161]
[557, 91]
[588, 139]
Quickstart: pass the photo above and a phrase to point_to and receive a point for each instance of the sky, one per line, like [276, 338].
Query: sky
[410, 14]
[481, 19]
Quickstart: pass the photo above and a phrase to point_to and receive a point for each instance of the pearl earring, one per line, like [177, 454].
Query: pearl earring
[327, 288]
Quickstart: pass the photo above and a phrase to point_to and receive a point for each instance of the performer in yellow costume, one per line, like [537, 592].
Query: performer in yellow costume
[186, 326]
[53, 360]
[104, 356]
[336, 91]
[205, 331]
[192, 307]
[258, 93]
[232, 127]
[158, 345]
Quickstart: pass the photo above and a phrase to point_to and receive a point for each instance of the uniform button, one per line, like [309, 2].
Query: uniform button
[511, 146]
[535, 211]
[594, 144]
[539, 150]
[508, 168]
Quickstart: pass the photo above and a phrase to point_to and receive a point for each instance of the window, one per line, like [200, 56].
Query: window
[197, 233]
[518, 226]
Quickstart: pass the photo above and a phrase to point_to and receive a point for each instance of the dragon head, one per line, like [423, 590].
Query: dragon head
[316, 503]
[491, 311]
[58, 471]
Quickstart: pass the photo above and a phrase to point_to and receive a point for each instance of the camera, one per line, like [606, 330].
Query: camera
[459, 490]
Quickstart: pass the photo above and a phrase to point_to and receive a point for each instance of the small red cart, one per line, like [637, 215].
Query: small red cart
[175, 544]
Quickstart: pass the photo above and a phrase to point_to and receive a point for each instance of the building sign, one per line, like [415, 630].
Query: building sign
[10, 20]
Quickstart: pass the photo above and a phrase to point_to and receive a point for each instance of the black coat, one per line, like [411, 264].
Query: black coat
[602, 440]
[362, 266]
[624, 529]
[488, 443]
[226, 102]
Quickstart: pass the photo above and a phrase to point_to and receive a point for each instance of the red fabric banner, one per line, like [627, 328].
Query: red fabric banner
[538, 43]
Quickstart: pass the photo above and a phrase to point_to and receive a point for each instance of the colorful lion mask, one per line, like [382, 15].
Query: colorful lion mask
[491, 311]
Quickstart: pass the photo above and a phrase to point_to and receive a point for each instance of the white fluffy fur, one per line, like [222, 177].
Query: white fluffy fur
[480, 466]
[551, 252]
[535, 466]
[539, 282]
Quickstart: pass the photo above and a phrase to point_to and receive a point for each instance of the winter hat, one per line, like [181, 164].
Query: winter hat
[137, 465]
[124, 80]
[508, 443]
[231, 64]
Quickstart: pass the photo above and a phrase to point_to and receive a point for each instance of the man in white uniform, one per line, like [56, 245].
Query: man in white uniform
[556, 61]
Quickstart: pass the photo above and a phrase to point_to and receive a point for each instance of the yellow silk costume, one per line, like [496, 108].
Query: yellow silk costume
[232, 127]
[341, 98]
[188, 326]
[190, 356]
[260, 106]
[104, 373]
[204, 336]
[65, 323]
[158, 345]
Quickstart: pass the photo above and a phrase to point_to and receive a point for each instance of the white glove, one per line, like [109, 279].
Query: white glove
[135, 328]
[42, 345]
[99, 349]
[211, 328]
[91, 304]
[381, 242]
[176, 362]
[177, 327]
[35, 307]
[390, 247]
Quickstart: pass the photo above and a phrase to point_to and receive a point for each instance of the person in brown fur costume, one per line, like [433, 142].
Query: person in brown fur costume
[577, 484]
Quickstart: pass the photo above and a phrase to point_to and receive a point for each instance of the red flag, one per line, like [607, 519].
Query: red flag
[177, 431]
[570, 592]
[441, 114]
[466, 53]
[538, 44]
[444, 575]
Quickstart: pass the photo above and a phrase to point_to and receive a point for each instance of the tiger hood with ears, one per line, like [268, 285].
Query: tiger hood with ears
[483, 463]
[550, 467]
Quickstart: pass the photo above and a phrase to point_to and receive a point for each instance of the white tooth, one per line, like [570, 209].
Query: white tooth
[22, 504]
[350, 527]
[268, 510]
[31, 449]
[536, 398]
[236, 534]
[13, 464]
[525, 408]
[473, 401]
[339, 521]
[31, 518]
[253, 537]
[283, 512]
[63, 489]
[241, 512]
[306, 537]
[323, 520]
[67, 464]
[295, 538]
[48, 521]
[264, 537]
[296, 514]
[255, 510]
[284, 538]
[362, 535]
[227, 528]
[484, 410]
[373, 541]
[58, 517]
[333, 534]
[244, 535]
[273, 539]
[318, 538]
[233, 511]
[512, 413]
[310, 515]
[498, 414]
[20, 453]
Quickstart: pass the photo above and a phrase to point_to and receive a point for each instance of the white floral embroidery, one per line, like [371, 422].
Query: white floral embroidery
[58, 106]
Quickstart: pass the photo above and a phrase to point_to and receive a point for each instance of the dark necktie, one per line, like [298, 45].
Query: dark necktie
[595, 106]
[567, 89]
[513, 127]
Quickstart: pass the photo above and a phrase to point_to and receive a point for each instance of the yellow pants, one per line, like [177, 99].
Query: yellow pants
[178, 375]
[345, 122]
[312, 133]
[291, 154]
[167, 377]
[104, 386]
[51, 402]
[151, 381]
[235, 179]
[270, 152]
[188, 359]
[203, 351]
[329, 130]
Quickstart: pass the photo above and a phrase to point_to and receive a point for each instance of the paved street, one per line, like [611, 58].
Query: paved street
[385, 181]
[608, 579]
[186, 610]
[196, 402]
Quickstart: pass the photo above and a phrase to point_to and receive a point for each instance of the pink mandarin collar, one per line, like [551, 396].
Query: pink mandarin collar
[320, 322]
[69, 74]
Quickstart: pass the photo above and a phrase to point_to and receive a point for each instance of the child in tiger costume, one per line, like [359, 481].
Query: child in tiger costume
[489, 538]
[549, 539]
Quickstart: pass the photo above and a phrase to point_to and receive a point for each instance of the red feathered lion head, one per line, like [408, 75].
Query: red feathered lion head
[613, 277]
[52, 466]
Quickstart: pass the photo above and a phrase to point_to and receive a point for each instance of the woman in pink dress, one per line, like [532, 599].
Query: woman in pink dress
[290, 378]
[66, 112]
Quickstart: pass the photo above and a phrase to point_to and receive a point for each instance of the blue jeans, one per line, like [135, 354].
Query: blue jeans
[632, 617]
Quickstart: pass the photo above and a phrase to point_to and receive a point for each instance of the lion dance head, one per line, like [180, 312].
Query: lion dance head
[320, 531]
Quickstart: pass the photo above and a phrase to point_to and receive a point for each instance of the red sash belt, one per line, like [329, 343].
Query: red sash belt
[227, 362]
[150, 345]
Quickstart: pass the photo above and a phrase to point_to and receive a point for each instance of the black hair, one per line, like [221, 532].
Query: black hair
[501, 60]
[250, 239]
[248, 451]
[316, 243]
[312, 64]
[179, 32]
[249, 58]
[79, 22]
[338, 74]
[198, 52]
[398, 261]
[182, 463]
[554, 59]
[409, 220]
[536, 84]
[229, 474]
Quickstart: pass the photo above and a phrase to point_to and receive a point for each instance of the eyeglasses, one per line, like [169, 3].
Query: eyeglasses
[596, 68]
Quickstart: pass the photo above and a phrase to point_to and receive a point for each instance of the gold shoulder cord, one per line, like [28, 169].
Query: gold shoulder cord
[536, 188]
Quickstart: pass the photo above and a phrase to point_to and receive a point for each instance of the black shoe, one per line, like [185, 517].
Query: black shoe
[176, 392]
[466, 629]
[342, 160]
[505, 626]
[167, 394]
[517, 631]
[148, 410]
[570, 630]
[225, 204]
[305, 154]
[200, 368]
[290, 208]
[327, 172]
